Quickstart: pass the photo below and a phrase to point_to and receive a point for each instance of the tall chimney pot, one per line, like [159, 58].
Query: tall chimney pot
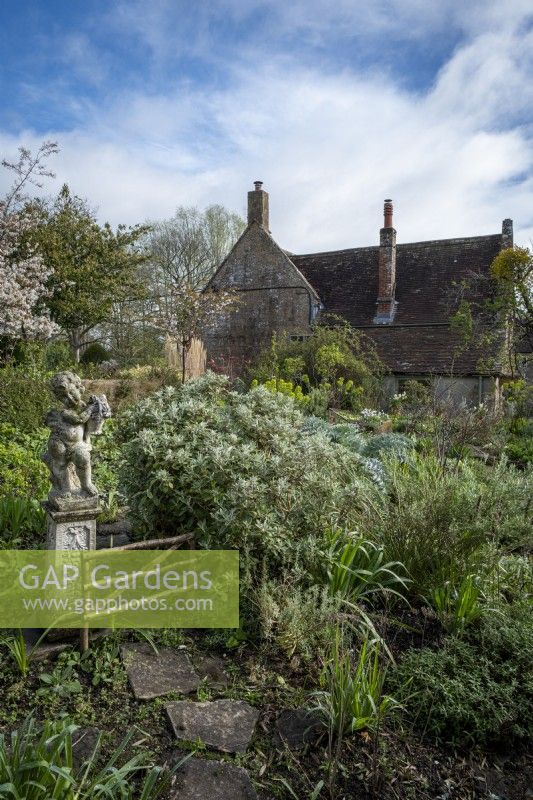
[258, 206]
[387, 213]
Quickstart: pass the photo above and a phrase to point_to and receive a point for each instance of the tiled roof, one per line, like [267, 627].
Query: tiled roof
[419, 339]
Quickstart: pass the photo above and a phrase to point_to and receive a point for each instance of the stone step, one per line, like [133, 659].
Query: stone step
[154, 674]
[225, 725]
[200, 779]
[297, 727]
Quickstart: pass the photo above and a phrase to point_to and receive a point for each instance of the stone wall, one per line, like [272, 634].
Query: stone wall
[469, 389]
[273, 296]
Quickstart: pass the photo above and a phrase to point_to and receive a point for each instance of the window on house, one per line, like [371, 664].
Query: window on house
[298, 337]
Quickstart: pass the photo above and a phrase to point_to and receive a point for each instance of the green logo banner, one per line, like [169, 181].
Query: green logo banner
[119, 589]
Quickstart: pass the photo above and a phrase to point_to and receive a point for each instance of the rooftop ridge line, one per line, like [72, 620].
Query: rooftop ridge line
[423, 243]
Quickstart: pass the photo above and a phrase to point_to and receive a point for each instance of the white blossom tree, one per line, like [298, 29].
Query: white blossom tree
[23, 276]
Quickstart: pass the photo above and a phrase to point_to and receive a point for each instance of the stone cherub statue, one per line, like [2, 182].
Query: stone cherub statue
[68, 454]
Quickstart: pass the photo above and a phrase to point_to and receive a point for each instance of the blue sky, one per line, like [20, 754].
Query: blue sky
[334, 106]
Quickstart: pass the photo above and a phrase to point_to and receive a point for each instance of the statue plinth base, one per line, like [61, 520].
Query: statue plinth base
[74, 526]
[71, 502]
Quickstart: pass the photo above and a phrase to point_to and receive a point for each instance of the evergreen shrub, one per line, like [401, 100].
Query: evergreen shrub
[25, 397]
[238, 469]
[22, 472]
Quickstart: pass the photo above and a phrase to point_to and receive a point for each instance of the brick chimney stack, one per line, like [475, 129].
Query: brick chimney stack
[386, 302]
[387, 214]
[258, 206]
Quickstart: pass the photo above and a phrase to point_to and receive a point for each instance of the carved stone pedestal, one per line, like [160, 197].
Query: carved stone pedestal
[73, 529]
[72, 505]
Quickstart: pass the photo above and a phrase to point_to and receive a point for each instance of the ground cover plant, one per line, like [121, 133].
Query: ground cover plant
[478, 688]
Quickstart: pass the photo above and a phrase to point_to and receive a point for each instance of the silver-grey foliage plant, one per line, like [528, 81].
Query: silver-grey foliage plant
[241, 471]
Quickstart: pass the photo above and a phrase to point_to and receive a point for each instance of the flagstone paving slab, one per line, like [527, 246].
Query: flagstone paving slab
[213, 670]
[200, 779]
[226, 725]
[154, 674]
[297, 727]
[84, 741]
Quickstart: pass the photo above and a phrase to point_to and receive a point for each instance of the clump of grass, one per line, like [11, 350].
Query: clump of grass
[458, 606]
[37, 763]
[21, 654]
[430, 522]
[351, 697]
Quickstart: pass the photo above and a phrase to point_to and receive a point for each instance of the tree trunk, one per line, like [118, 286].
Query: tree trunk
[183, 359]
[75, 341]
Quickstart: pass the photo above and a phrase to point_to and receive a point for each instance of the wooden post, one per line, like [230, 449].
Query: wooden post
[84, 639]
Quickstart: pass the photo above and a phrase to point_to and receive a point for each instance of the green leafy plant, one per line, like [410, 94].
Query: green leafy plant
[103, 663]
[372, 420]
[347, 434]
[286, 387]
[316, 399]
[22, 473]
[475, 689]
[57, 357]
[25, 396]
[110, 506]
[22, 521]
[512, 579]
[519, 446]
[93, 267]
[240, 471]
[61, 682]
[106, 460]
[458, 606]
[296, 617]
[519, 395]
[352, 695]
[389, 444]
[21, 654]
[503, 510]
[37, 763]
[336, 360]
[357, 568]
[430, 523]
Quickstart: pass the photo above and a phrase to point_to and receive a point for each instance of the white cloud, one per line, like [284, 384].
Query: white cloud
[166, 24]
[80, 56]
[488, 81]
[329, 147]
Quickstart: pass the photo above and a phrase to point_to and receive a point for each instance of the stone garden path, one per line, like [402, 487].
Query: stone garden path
[223, 725]
[226, 726]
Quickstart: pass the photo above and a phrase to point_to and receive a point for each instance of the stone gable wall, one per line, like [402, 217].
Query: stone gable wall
[273, 297]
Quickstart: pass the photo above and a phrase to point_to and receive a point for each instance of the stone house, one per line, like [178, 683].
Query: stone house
[396, 294]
